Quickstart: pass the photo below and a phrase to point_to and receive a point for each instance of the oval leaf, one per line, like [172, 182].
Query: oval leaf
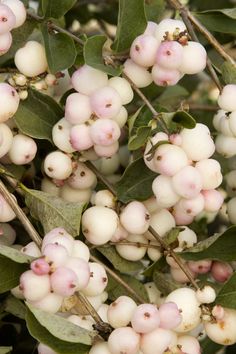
[61, 328]
[56, 9]
[131, 22]
[228, 71]
[136, 182]
[140, 138]
[227, 295]
[37, 115]
[40, 333]
[15, 254]
[53, 211]
[164, 282]
[10, 273]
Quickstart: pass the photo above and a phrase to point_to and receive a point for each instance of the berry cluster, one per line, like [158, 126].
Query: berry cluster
[62, 269]
[12, 15]
[187, 176]
[224, 122]
[94, 115]
[167, 50]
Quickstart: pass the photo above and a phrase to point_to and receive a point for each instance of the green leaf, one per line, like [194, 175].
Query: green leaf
[158, 265]
[93, 48]
[220, 247]
[10, 273]
[19, 38]
[227, 295]
[184, 119]
[154, 9]
[164, 282]
[61, 328]
[56, 9]
[228, 71]
[217, 20]
[5, 350]
[53, 211]
[41, 334]
[131, 23]
[15, 307]
[209, 347]
[14, 254]
[37, 115]
[60, 50]
[118, 262]
[136, 182]
[115, 289]
[140, 138]
[172, 235]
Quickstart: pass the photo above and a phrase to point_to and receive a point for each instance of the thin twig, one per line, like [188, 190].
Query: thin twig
[119, 280]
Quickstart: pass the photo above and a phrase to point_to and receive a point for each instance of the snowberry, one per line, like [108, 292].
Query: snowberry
[102, 311]
[135, 218]
[225, 145]
[50, 187]
[64, 281]
[50, 303]
[31, 249]
[31, 60]
[221, 271]
[9, 101]
[154, 253]
[179, 275]
[6, 212]
[187, 237]
[120, 234]
[59, 237]
[58, 165]
[223, 331]
[80, 138]
[210, 171]
[75, 195]
[198, 55]
[106, 151]
[162, 221]
[98, 280]
[190, 207]
[188, 304]
[120, 312]
[80, 250]
[124, 340]
[35, 287]
[165, 77]
[151, 204]
[104, 132]
[140, 76]
[7, 234]
[206, 295]
[151, 28]
[7, 19]
[157, 341]
[226, 99]
[160, 136]
[121, 117]
[44, 349]
[40, 266]
[200, 267]
[182, 218]
[169, 55]
[218, 118]
[100, 348]
[77, 108]
[213, 200]
[187, 182]
[99, 224]
[50, 80]
[61, 136]
[170, 316]
[131, 252]
[189, 344]
[224, 126]
[55, 254]
[81, 269]
[123, 87]
[232, 122]
[169, 159]
[18, 9]
[154, 294]
[108, 166]
[218, 312]
[6, 138]
[170, 27]
[23, 149]
[143, 50]
[197, 142]
[104, 198]
[87, 80]
[145, 318]
[106, 102]
[82, 177]
[231, 205]
[5, 42]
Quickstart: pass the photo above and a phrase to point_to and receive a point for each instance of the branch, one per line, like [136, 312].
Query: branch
[138, 298]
